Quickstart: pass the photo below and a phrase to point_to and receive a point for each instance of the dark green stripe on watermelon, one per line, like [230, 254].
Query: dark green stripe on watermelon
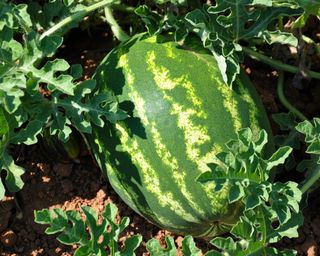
[181, 114]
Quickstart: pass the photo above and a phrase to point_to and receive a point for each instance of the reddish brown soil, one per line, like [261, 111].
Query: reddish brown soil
[70, 185]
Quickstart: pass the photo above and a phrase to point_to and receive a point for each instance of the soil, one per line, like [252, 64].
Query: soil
[51, 183]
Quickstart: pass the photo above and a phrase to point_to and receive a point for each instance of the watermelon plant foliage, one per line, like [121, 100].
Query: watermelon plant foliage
[103, 237]
[226, 25]
[311, 131]
[38, 93]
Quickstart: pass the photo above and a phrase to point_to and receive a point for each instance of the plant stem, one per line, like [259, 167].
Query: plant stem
[116, 29]
[280, 23]
[123, 8]
[314, 177]
[77, 16]
[284, 100]
[277, 64]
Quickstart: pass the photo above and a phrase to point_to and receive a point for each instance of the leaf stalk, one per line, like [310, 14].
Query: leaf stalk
[123, 8]
[278, 64]
[115, 27]
[313, 178]
[76, 16]
[283, 99]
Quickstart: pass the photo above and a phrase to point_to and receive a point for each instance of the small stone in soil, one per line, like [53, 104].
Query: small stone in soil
[305, 247]
[58, 250]
[312, 251]
[101, 194]
[8, 238]
[179, 241]
[46, 179]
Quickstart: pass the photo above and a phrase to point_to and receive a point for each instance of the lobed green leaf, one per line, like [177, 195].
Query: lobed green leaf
[72, 229]
[311, 130]
[279, 157]
[13, 180]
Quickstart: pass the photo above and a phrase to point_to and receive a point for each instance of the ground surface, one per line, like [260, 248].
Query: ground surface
[69, 185]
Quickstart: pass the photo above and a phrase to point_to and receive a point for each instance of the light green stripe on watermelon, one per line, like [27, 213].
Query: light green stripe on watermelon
[180, 117]
[178, 174]
[231, 106]
[165, 82]
[139, 102]
[229, 101]
[194, 135]
[151, 177]
[157, 219]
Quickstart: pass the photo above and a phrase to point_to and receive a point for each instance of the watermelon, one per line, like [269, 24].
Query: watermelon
[181, 114]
